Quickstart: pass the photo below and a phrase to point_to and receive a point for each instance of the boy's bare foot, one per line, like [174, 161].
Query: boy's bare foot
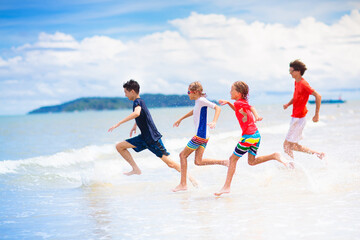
[279, 158]
[320, 155]
[180, 187]
[291, 165]
[226, 163]
[222, 191]
[137, 172]
[193, 182]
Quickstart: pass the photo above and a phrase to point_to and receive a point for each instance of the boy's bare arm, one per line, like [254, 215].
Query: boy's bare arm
[317, 107]
[285, 106]
[132, 116]
[177, 123]
[216, 117]
[256, 115]
[224, 102]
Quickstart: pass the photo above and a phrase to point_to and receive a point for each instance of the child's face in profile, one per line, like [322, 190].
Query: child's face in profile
[193, 95]
[131, 95]
[294, 74]
[235, 95]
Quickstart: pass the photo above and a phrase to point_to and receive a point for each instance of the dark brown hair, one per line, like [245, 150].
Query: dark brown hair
[297, 65]
[132, 85]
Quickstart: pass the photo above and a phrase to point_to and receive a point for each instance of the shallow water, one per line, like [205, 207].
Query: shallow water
[66, 182]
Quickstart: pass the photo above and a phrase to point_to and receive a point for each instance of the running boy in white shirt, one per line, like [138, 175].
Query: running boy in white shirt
[199, 141]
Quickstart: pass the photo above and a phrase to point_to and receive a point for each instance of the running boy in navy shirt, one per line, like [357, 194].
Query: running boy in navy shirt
[150, 138]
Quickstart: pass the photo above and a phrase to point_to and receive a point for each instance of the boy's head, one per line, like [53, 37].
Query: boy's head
[297, 65]
[196, 87]
[195, 90]
[131, 89]
[239, 90]
[132, 85]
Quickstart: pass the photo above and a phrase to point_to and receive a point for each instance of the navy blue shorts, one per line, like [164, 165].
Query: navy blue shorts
[157, 147]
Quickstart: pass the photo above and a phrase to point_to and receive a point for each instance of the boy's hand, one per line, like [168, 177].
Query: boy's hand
[316, 118]
[177, 123]
[223, 102]
[285, 106]
[258, 119]
[212, 125]
[133, 130]
[112, 128]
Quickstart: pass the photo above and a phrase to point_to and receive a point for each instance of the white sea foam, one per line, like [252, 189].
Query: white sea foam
[59, 160]
[102, 164]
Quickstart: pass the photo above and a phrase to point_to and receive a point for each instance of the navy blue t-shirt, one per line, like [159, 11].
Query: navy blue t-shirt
[145, 123]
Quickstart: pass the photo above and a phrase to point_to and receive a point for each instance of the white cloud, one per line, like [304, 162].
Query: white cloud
[214, 49]
[57, 37]
[51, 41]
[3, 63]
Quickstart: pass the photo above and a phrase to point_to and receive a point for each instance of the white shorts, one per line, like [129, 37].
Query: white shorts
[294, 134]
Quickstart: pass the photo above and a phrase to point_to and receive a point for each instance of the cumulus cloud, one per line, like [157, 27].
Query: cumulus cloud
[214, 49]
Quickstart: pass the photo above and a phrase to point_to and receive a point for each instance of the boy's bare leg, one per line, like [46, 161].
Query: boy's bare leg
[252, 160]
[208, 161]
[176, 166]
[289, 147]
[199, 161]
[183, 166]
[122, 149]
[229, 177]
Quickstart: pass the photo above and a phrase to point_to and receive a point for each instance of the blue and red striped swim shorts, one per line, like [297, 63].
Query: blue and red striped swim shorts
[197, 142]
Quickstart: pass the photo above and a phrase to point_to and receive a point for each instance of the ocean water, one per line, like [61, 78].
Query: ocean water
[61, 178]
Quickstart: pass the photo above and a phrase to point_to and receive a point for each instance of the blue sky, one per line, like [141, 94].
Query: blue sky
[21, 21]
[46, 50]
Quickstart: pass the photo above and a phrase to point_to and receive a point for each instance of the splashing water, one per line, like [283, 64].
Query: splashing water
[80, 192]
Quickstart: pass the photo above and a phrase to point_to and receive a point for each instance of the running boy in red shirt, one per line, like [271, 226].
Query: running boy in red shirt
[250, 139]
[298, 120]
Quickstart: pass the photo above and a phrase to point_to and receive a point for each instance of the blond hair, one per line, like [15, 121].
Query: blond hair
[197, 87]
[242, 88]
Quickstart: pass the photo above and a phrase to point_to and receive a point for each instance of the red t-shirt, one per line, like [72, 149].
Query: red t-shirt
[245, 117]
[301, 97]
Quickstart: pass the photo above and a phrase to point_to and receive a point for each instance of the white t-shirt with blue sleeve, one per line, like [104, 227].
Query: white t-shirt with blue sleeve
[200, 116]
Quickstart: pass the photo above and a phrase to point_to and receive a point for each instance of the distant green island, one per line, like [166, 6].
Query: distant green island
[113, 103]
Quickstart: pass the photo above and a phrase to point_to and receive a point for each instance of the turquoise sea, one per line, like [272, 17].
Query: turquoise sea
[61, 178]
